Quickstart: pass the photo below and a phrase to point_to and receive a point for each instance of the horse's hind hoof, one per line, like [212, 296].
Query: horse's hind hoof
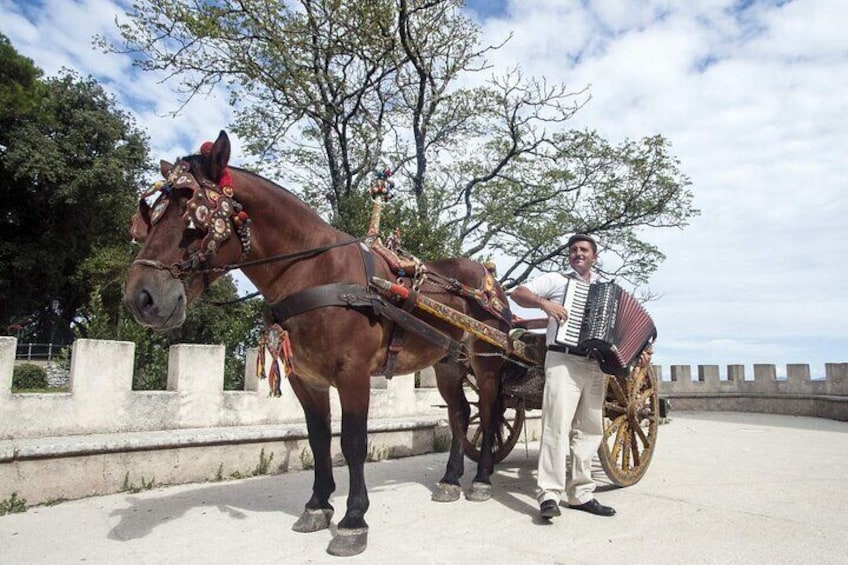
[313, 520]
[348, 542]
[446, 493]
[479, 492]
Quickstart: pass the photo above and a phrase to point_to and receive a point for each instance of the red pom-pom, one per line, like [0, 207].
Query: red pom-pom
[206, 148]
[242, 215]
[226, 179]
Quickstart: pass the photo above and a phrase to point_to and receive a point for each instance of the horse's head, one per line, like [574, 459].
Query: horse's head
[185, 233]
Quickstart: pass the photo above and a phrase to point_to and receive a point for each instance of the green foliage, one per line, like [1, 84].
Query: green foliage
[481, 171]
[307, 460]
[419, 236]
[28, 376]
[13, 505]
[70, 165]
[264, 464]
[133, 488]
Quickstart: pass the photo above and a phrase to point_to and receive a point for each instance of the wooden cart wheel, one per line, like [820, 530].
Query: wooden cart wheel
[508, 429]
[631, 414]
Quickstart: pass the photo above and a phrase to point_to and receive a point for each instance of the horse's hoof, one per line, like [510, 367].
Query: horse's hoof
[479, 492]
[348, 542]
[313, 520]
[446, 493]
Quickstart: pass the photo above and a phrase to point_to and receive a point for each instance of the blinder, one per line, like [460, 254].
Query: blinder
[211, 210]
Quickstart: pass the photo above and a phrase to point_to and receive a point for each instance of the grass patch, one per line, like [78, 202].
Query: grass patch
[307, 461]
[133, 489]
[13, 505]
[264, 464]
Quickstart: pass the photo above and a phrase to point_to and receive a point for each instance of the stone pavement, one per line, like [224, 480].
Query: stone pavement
[723, 488]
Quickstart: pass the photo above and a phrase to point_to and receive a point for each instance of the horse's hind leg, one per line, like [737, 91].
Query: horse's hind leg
[352, 532]
[316, 407]
[487, 370]
[449, 377]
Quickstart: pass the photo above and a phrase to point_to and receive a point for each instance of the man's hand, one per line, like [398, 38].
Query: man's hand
[645, 357]
[556, 311]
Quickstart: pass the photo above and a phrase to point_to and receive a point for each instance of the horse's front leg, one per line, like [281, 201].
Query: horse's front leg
[352, 532]
[449, 377]
[316, 408]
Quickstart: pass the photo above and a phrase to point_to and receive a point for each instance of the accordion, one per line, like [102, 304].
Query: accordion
[606, 322]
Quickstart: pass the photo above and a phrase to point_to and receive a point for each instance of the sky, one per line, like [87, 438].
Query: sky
[752, 95]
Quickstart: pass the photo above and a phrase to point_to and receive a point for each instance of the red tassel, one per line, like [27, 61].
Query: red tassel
[275, 340]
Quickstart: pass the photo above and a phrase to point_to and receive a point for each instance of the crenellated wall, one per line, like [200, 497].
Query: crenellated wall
[102, 437]
[797, 394]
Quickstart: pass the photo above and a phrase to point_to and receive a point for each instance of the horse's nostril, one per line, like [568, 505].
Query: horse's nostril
[145, 301]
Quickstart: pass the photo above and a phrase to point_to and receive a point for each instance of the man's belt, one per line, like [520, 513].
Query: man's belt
[567, 350]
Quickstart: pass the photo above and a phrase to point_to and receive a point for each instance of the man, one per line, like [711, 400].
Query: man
[572, 421]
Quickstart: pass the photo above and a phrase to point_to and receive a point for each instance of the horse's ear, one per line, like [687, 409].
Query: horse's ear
[218, 158]
[140, 222]
[165, 168]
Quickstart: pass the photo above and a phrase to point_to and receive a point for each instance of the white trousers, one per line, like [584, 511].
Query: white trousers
[572, 424]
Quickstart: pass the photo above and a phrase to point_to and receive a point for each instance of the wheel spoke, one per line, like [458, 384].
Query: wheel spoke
[615, 425]
[645, 440]
[625, 452]
[617, 391]
[634, 447]
[619, 439]
[613, 410]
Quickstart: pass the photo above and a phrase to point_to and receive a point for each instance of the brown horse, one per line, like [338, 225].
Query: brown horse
[289, 251]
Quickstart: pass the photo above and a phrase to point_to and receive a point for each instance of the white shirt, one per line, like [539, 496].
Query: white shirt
[552, 287]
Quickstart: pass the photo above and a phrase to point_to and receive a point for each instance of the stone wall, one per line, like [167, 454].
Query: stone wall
[797, 394]
[101, 436]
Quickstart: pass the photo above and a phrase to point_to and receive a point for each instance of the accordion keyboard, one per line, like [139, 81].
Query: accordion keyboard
[574, 300]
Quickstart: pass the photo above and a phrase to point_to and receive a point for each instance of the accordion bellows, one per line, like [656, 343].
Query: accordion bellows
[606, 321]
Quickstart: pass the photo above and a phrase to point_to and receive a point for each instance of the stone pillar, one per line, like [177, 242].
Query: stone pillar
[101, 380]
[401, 393]
[798, 379]
[196, 372]
[765, 378]
[708, 374]
[8, 347]
[380, 383]
[658, 372]
[251, 380]
[427, 378]
[681, 378]
[736, 373]
[837, 378]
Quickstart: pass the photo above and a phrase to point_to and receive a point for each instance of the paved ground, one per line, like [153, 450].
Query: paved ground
[723, 488]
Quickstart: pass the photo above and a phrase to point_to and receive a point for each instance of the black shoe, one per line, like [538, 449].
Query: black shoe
[594, 507]
[549, 509]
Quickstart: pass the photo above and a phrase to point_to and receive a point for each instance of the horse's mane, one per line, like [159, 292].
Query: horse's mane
[196, 161]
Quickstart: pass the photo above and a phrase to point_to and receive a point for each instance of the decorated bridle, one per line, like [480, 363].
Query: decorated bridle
[211, 210]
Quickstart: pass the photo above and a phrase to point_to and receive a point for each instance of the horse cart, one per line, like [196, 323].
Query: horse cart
[631, 407]
[631, 413]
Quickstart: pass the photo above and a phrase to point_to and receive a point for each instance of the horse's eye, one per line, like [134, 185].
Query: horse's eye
[191, 235]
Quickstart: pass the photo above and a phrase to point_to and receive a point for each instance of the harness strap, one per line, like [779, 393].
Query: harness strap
[349, 295]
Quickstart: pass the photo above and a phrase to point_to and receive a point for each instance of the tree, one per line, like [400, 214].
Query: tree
[70, 165]
[330, 90]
